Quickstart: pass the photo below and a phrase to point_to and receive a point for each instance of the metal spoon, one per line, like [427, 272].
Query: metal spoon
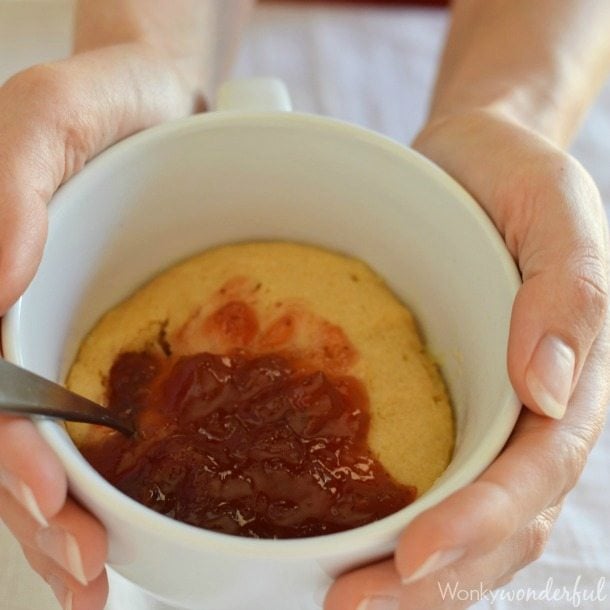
[24, 393]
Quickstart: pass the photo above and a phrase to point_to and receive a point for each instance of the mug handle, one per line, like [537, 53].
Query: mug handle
[254, 95]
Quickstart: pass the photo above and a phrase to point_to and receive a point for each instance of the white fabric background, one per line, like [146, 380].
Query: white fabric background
[373, 67]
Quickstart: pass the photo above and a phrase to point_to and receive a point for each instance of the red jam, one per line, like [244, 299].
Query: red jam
[266, 445]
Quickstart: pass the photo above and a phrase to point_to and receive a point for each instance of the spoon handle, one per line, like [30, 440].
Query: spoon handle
[24, 393]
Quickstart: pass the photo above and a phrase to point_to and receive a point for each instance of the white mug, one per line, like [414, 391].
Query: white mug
[253, 171]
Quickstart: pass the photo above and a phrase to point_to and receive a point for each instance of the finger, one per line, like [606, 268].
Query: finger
[74, 539]
[540, 464]
[562, 303]
[526, 478]
[55, 117]
[29, 470]
[24, 191]
[359, 588]
[549, 212]
[70, 594]
[379, 587]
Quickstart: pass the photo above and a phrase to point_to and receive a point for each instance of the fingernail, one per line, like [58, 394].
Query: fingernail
[379, 602]
[62, 547]
[24, 495]
[62, 593]
[436, 561]
[550, 374]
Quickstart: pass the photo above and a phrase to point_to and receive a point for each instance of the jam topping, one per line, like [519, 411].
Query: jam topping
[267, 445]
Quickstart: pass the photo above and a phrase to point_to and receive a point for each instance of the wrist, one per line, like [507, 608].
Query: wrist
[195, 40]
[181, 74]
[95, 98]
[175, 74]
[539, 64]
[172, 38]
[466, 143]
[531, 105]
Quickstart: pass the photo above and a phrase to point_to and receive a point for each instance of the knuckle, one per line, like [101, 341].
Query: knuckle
[43, 84]
[537, 537]
[432, 591]
[590, 287]
[575, 446]
[77, 148]
[573, 184]
[504, 580]
[50, 93]
[506, 522]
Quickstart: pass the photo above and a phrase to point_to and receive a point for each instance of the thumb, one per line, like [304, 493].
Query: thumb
[560, 308]
[54, 118]
[549, 212]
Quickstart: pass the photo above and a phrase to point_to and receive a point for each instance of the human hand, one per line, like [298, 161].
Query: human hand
[53, 118]
[549, 213]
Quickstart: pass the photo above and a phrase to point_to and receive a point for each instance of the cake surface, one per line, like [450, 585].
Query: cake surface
[332, 310]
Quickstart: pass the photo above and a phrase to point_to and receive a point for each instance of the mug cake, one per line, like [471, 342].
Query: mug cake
[279, 390]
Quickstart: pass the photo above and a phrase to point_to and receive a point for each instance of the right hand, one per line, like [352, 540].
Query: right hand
[53, 119]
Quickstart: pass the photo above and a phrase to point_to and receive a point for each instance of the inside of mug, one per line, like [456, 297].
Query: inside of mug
[172, 192]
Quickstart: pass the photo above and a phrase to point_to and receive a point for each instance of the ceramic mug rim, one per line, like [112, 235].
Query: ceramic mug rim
[385, 529]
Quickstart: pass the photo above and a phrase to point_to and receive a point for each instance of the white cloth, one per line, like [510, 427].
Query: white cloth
[374, 67]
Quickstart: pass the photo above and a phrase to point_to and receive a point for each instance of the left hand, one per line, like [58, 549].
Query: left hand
[53, 119]
[549, 213]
